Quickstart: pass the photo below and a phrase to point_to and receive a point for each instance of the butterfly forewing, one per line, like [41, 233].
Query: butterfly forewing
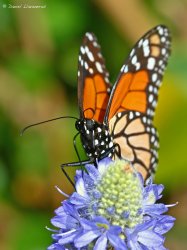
[137, 86]
[93, 82]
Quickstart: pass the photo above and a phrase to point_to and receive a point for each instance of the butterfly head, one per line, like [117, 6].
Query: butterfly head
[86, 125]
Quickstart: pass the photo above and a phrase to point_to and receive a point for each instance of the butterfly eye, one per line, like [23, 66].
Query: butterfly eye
[78, 125]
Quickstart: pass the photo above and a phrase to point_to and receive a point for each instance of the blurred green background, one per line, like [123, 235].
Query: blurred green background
[38, 81]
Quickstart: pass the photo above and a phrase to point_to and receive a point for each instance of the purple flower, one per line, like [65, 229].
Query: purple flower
[111, 208]
[99, 229]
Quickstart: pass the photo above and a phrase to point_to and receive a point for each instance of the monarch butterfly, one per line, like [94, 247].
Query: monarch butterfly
[117, 121]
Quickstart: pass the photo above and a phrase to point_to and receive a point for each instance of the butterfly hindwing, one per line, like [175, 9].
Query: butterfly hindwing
[93, 82]
[137, 86]
[138, 140]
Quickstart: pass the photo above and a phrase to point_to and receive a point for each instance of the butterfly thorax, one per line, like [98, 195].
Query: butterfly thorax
[95, 138]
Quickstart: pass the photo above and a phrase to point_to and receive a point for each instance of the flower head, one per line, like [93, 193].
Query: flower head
[111, 208]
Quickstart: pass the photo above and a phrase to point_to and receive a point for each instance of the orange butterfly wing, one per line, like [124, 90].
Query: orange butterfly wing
[138, 83]
[93, 83]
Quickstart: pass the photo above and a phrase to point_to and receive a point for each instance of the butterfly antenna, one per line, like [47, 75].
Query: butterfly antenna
[50, 120]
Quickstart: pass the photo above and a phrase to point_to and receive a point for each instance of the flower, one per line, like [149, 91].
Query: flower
[111, 208]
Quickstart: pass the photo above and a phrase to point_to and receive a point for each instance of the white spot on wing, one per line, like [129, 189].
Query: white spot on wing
[145, 42]
[163, 39]
[90, 56]
[131, 116]
[150, 88]
[144, 119]
[154, 77]
[106, 79]
[86, 65]
[140, 43]
[132, 52]
[99, 130]
[151, 97]
[163, 51]
[146, 51]
[158, 83]
[137, 66]
[96, 142]
[99, 67]
[151, 63]
[154, 103]
[95, 44]
[82, 50]
[160, 62]
[160, 30]
[99, 55]
[152, 138]
[91, 70]
[155, 90]
[122, 68]
[90, 37]
[134, 59]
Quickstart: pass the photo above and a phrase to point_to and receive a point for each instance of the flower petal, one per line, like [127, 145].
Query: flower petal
[134, 245]
[150, 238]
[115, 230]
[67, 237]
[88, 225]
[155, 209]
[56, 246]
[93, 172]
[80, 188]
[150, 195]
[164, 224]
[101, 220]
[57, 222]
[78, 200]
[103, 165]
[160, 189]
[142, 227]
[101, 243]
[116, 242]
[85, 238]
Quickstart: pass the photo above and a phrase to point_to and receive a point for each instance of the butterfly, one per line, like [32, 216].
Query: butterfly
[117, 121]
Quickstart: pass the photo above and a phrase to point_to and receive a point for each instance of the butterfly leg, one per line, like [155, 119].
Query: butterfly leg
[63, 165]
[67, 176]
[73, 164]
[75, 147]
[80, 163]
[76, 164]
[117, 151]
